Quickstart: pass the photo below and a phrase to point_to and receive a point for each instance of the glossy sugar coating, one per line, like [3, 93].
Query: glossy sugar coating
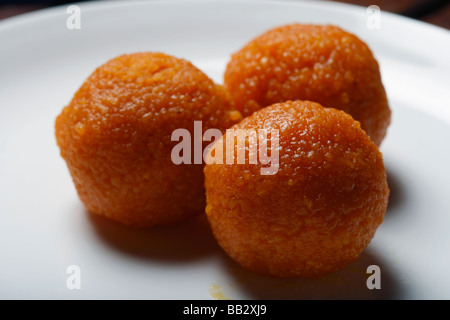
[318, 212]
[115, 136]
[319, 63]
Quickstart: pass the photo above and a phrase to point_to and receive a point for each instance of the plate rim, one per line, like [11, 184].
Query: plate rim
[33, 16]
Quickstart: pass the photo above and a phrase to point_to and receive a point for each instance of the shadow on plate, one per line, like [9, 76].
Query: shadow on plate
[397, 191]
[181, 242]
[349, 283]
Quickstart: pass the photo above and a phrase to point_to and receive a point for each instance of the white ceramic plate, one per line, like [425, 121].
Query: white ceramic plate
[44, 229]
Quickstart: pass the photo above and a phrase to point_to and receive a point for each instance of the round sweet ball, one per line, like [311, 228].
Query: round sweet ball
[116, 137]
[320, 63]
[319, 206]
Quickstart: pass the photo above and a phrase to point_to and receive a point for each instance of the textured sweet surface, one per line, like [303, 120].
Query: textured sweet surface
[318, 212]
[319, 63]
[115, 136]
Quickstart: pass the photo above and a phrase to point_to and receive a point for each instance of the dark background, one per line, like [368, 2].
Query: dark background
[436, 12]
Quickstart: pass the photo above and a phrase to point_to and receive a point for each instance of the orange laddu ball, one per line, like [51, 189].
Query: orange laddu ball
[320, 63]
[115, 136]
[321, 208]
